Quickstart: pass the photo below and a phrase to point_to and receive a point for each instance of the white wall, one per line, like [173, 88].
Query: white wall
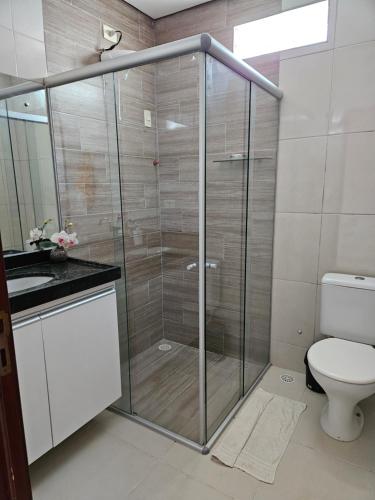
[22, 50]
[325, 204]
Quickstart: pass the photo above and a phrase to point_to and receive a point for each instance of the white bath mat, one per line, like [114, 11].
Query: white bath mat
[258, 436]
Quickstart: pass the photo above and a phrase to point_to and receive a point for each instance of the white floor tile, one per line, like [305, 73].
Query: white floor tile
[360, 452]
[306, 474]
[139, 436]
[167, 483]
[232, 482]
[90, 465]
[113, 458]
[272, 382]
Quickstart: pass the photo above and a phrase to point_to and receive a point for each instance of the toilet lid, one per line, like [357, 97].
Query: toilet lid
[349, 362]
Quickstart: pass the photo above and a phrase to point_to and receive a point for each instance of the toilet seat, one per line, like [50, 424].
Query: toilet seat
[342, 360]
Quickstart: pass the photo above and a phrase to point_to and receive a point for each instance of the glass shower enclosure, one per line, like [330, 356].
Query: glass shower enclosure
[198, 181]
[172, 151]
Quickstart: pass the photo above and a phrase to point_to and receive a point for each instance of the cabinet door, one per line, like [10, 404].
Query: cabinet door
[31, 370]
[82, 360]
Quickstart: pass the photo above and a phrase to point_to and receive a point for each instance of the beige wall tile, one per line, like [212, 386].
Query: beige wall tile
[350, 175]
[80, 98]
[287, 356]
[243, 11]
[207, 17]
[353, 95]
[64, 20]
[296, 247]
[22, 49]
[317, 334]
[304, 109]
[120, 15]
[347, 244]
[75, 166]
[66, 131]
[28, 18]
[7, 52]
[72, 56]
[300, 175]
[355, 22]
[31, 57]
[6, 14]
[293, 4]
[293, 309]
[93, 135]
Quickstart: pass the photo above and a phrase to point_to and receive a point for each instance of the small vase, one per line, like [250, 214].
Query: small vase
[58, 254]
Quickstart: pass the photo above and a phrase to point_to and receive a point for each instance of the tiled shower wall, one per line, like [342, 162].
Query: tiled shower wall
[227, 118]
[141, 211]
[177, 94]
[226, 182]
[84, 132]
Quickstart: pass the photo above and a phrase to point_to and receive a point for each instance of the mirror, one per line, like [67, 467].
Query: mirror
[27, 176]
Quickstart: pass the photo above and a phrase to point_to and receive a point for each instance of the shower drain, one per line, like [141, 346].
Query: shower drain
[165, 347]
[287, 379]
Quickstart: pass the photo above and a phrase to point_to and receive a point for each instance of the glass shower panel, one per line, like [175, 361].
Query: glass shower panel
[118, 237]
[261, 206]
[227, 143]
[159, 157]
[86, 156]
[85, 143]
[134, 96]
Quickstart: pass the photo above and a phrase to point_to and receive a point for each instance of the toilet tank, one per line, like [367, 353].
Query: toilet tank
[347, 308]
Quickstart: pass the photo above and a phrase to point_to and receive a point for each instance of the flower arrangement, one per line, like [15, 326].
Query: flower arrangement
[38, 235]
[59, 242]
[65, 239]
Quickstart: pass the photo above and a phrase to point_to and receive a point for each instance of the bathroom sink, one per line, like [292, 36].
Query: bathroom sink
[18, 284]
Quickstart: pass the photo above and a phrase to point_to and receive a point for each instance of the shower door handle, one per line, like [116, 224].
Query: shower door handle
[209, 265]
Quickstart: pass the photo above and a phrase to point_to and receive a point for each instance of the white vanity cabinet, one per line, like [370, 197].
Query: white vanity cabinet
[82, 361]
[28, 343]
[69, 367]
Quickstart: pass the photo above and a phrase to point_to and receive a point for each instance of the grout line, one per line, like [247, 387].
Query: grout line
[328, 134]
[369, 214]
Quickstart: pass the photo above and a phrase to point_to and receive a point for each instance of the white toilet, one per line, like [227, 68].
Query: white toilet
[345, 365]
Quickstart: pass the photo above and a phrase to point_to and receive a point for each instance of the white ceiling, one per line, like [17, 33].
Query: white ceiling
[160, 8]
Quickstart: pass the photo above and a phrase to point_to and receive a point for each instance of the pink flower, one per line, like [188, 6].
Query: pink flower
[64, 239]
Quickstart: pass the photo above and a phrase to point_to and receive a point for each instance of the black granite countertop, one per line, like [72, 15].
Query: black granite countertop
[69, 277]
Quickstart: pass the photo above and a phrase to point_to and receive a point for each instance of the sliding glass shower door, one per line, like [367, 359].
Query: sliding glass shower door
[227, 152]
[264, 121]
[192, 357]
[158, 138]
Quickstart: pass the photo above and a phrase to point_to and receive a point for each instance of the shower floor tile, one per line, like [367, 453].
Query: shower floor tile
[165, 387]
